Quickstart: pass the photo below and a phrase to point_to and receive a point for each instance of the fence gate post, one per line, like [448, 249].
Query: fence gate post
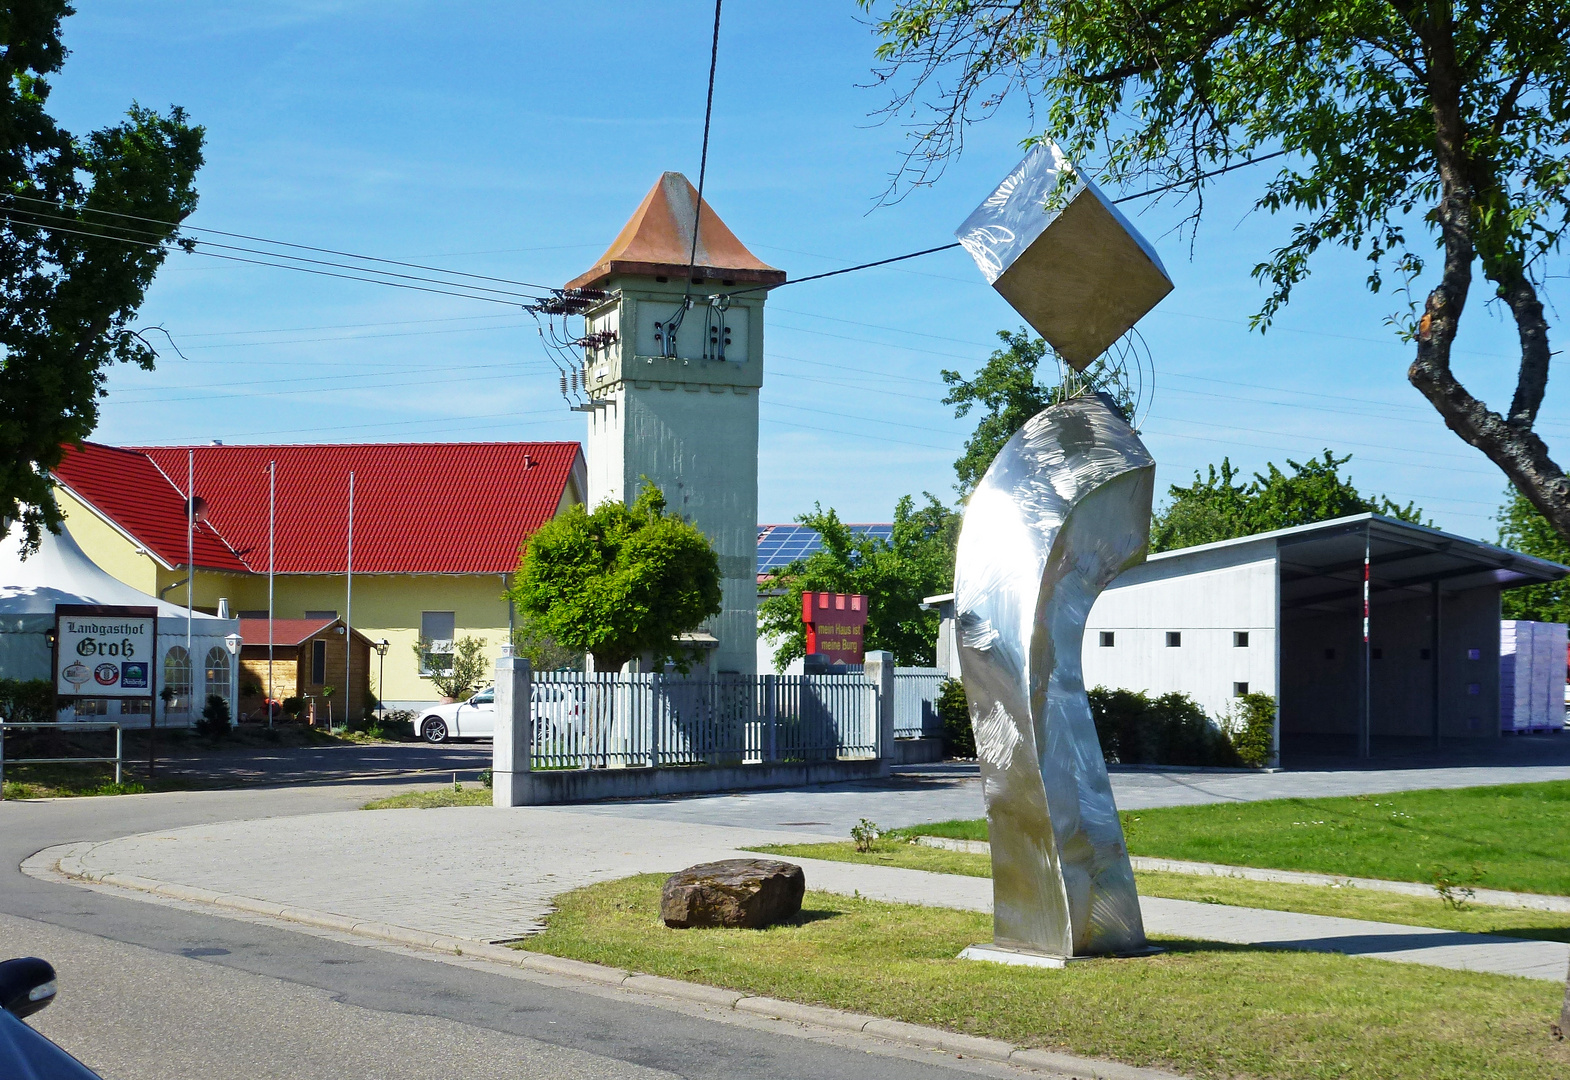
[512, 744]
[771, 711]
[879, 669]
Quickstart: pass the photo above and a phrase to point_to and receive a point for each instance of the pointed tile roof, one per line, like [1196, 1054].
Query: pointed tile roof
[657, 241]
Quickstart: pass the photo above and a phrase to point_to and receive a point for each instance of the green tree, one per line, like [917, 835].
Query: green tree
[895, 575]
[73, 268]
[1401, 123]
[1523, 529]
[619, 582]
[1007, 391]
[1218, 506]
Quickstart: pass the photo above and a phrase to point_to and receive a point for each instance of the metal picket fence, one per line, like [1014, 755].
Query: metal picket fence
[599, 721]
[916, 702]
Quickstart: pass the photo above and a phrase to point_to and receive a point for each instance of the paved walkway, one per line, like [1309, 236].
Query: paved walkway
[490, 875]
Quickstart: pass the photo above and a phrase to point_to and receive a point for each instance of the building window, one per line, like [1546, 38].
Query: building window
[1174, 639]
[320, 614]
[1474, 688]
[258, 614]
[1107, 639]
[1474, 654]
[1240, 639]
[318, 662]
[437, 629]
[1330, 654]
[1424, 654]
[177, 679]
[1240, 689]
[217, 674]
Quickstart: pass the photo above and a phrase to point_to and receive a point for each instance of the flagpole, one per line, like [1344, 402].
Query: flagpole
[272, 502]
[348, 614]
[190, 571]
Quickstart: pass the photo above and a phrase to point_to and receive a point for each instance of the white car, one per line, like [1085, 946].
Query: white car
[471, 719]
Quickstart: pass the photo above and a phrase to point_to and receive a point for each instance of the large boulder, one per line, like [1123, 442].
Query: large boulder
[747, 893]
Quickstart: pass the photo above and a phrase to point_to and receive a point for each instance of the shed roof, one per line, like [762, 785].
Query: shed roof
[419, 508]
[657, 241]
[1322, 563]
[291, 632]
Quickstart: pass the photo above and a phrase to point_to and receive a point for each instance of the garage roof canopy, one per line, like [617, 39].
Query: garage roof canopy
[1322, 564]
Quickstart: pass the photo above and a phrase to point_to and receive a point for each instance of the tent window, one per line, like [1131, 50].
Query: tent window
[1174, 639]
[177, 678]
[217, 673]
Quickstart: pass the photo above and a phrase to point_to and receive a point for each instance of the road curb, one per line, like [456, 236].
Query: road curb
[69, 863]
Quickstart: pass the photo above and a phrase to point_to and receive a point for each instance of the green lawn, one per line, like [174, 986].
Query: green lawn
[1511, 837]
[471, 795]
[1342, 901]
[1201, 1008]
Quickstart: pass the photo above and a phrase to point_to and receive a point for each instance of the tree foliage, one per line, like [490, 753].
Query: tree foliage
[619, 582]
[1220, 506]
[895, 575]
[1401, 122]
[453, 667]
[1523, 529]
[72, 274]
[1007, 391]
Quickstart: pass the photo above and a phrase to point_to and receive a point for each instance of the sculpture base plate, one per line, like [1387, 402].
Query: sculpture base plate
[1002, 954]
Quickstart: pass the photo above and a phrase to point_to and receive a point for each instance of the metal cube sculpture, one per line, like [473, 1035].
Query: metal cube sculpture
[1059, 251]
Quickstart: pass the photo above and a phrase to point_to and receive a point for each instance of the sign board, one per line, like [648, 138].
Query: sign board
[836, 625]
[106, 652]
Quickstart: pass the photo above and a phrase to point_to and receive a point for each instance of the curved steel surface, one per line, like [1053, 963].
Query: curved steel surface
[1063, 510]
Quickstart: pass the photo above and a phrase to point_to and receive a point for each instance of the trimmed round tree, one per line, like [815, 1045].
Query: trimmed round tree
[619, 582]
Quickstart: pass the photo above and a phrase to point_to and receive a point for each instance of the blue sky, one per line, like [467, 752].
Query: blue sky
[515, 139]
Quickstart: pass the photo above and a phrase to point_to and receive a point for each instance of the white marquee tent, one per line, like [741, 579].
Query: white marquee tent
[61, 573]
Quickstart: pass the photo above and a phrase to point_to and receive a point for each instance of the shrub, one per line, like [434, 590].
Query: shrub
[215, 717]
[293, 707]
[27, 701]
[1136, 729]
[1251, 727]
[397, 724]
[864, 834]
[959, 739]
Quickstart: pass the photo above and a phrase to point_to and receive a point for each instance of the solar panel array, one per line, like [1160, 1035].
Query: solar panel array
[779, 545]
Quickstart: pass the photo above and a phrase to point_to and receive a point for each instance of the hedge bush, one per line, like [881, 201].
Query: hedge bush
[959, 740]
[27, 701]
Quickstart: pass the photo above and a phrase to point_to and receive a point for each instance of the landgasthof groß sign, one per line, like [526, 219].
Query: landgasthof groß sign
[104, 651]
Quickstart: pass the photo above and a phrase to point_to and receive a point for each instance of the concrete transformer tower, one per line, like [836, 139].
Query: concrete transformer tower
[673, 364]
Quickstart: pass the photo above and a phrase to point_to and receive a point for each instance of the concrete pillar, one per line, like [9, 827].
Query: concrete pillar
[511, 747]
[879, 667]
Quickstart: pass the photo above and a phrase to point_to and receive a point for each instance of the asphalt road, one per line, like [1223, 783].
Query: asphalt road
[151, 991]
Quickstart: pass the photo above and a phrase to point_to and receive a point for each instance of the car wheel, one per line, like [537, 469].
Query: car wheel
[434, 730]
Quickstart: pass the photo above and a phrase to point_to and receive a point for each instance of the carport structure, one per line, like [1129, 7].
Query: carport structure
[1369, 632]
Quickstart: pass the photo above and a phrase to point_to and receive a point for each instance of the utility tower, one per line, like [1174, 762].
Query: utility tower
[673, 363]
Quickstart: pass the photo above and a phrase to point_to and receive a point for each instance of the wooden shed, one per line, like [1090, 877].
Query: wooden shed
[307, 655]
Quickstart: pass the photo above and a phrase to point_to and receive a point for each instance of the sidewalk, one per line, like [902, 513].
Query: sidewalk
[485, 875]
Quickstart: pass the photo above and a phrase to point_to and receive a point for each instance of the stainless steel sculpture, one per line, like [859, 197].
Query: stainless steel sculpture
[1063, 510]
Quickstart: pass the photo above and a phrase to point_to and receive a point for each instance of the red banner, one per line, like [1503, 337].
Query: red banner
[836, 624]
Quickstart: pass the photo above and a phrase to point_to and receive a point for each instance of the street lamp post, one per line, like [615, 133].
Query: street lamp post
[381, 648]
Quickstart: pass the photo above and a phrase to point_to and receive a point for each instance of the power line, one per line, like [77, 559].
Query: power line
[181, 227]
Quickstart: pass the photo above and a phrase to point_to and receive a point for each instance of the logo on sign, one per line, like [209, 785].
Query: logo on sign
[107, 674]
[133, 676]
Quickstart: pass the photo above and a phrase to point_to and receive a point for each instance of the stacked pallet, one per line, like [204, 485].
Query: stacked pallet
[1532, 660]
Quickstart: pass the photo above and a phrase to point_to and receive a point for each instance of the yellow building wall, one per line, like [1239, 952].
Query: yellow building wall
[107, 546]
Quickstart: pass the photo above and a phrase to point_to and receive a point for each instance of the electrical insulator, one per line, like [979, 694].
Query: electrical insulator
[574, 382]
[564, 384]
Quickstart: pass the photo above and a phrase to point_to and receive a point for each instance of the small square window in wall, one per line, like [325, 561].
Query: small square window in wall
[1474, 654]
[1240, 689]
[1240, 639]
[1174, 639]
[1108, 639]
[1330, 654]
[1473, 689]
[1424, 654]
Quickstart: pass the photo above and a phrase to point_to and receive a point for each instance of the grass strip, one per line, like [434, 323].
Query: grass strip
[1201, 1008]
[1510, 837]
[1342, 901]
[431, 800]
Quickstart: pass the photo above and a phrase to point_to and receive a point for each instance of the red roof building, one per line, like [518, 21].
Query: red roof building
[438, 529]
